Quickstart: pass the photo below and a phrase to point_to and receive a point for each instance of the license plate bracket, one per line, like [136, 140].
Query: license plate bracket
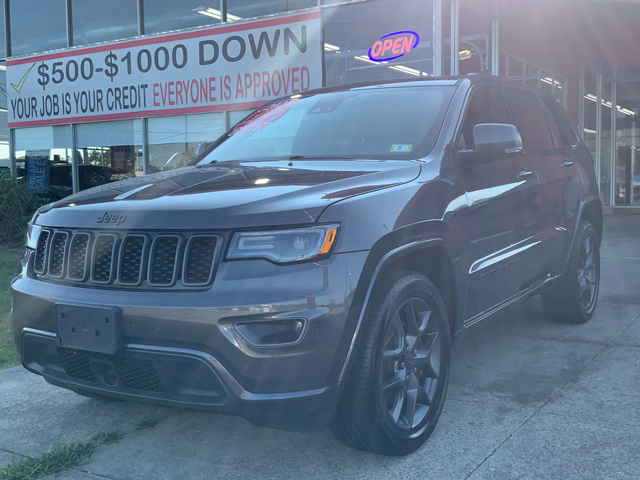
[95, 329]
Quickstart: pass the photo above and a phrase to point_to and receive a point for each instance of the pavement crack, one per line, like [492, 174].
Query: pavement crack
[12, 453]
[89, 472]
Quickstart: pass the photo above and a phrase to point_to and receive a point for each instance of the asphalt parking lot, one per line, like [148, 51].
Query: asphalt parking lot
[527, 399]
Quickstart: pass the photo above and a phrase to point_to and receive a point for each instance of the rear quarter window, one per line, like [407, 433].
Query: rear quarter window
[560, 123]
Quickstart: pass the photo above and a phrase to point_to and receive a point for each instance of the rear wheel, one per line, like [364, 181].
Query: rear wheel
[396, 390]
[574, 298]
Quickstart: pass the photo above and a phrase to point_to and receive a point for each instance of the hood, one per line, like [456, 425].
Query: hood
[227, 195]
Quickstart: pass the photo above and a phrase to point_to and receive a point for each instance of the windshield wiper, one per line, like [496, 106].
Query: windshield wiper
[316, 157]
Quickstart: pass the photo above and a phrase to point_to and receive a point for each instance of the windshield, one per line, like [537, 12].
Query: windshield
[382, 123]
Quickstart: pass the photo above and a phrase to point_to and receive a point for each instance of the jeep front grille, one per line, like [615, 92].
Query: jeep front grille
[78, 256]
[122, 260]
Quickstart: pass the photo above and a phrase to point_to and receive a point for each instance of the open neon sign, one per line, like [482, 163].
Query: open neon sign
[399, 46]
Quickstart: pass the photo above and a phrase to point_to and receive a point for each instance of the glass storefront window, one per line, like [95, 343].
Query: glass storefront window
[238, 9]
[99, 21]
[108, 152]
[166, 15]
[351, 30]
[43, 156]
[174, 141]
[627, 168]
[237, 115]
[37, 26]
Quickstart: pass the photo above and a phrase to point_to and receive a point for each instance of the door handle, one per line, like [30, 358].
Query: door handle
[524, 173]
[567, 163]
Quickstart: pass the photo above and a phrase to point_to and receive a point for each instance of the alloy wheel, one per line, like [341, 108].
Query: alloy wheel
[411, 361]
[587, 273]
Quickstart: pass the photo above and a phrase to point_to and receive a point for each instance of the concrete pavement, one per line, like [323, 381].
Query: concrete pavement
[527, 399]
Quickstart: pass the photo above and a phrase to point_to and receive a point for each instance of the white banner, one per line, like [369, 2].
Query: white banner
[227, 67]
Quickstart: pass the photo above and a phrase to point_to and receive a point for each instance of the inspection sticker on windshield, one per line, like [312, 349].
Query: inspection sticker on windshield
[402, 148]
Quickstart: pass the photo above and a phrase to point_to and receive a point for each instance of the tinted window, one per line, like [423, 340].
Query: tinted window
[526, 114]
[391, 123]
[486, 106]
[560, 123]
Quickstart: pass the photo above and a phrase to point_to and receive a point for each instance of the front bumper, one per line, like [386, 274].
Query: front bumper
[181, 348]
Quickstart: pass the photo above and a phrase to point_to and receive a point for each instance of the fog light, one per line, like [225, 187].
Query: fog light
[272, 332]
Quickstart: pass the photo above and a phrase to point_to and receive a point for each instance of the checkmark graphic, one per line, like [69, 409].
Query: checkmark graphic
[24, 77]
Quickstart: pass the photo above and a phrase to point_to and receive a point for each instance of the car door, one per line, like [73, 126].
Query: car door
[555, 172]
[500, 215]
[561, 176]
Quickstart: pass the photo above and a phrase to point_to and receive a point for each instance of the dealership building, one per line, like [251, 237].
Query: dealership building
[98, 91]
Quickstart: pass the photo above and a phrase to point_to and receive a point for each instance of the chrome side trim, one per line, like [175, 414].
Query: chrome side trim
[374, 277]
[503, 254]
[508, 301]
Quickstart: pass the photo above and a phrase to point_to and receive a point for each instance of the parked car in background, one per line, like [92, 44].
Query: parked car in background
[316, 264]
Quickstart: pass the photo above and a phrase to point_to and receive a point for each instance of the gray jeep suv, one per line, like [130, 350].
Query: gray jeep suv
[314, 265]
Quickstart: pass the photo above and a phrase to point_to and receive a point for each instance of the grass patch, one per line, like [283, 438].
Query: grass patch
[59, 459]
[147, 423]
[9, 262]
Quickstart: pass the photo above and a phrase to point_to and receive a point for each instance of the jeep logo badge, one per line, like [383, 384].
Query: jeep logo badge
[112, 218]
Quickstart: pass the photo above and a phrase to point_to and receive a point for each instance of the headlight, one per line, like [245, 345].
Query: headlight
[284, 246]
[33, 232]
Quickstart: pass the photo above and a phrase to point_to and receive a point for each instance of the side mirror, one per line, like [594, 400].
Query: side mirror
[200, 148]
[492, 141]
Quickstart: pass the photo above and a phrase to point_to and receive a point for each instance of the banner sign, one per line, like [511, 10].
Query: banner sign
[226, 67]
[38, 168]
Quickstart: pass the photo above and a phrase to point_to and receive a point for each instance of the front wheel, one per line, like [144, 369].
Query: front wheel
[395, 393]
[574, 298]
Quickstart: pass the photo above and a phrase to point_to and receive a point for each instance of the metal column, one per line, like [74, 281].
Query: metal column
[438, 60]
[581, 94]
[455, 37]
[69, 15]
[495, 39]
[140, 17]
[12, 153]
[74, 159]
[145, 146]
[7, 40]
[614, 142]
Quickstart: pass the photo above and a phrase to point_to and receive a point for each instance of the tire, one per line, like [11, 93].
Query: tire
[97, 396]
[398, 361]
[573, 299]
